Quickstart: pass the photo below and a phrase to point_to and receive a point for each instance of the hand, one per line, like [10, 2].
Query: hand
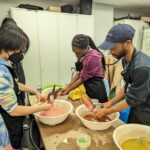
[98, 114]
[107, 104]
[39, 96]
[45, 106]
[63, 92]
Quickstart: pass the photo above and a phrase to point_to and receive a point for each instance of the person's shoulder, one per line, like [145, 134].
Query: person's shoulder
[4, 72]
[140, 53]
[141, 61]
[3, 68]
[95, 53]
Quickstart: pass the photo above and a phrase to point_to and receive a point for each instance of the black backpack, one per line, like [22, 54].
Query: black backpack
[86, 7]
[30, 7]
[67, 8]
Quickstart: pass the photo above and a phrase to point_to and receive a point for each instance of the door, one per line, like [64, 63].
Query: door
[27, 20]
[48, 42]
[67, 27]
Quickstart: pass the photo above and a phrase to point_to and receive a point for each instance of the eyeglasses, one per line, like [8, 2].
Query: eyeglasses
[23, 50]
[20, 50]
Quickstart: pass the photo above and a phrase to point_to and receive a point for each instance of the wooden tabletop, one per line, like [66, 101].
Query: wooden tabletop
[63, 136]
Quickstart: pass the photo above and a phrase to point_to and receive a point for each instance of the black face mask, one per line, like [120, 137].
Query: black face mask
[17, 57]
[122, 54]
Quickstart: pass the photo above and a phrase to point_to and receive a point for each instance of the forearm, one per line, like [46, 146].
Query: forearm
[118, 97]
[119, 107]
[77, 77]
[75, 85]
[25, 88]
[24, 110]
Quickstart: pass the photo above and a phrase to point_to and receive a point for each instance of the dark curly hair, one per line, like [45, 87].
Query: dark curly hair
[82, 41]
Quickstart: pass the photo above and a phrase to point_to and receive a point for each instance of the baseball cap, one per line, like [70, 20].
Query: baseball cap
[118, 33]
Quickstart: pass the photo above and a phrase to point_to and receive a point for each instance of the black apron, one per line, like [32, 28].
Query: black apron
[14, 125]
[94, 86]
[21, 78]
[133, 116]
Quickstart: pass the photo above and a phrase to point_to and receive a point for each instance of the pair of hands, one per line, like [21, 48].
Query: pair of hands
[63, 91]
[98, 113]
[104, 111]
[44, 105]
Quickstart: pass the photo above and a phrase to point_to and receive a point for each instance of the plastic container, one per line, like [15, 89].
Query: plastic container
[83, 141]
[124, 115]
[130, 131]
[39, 88]
[54, 120]
[82, 110]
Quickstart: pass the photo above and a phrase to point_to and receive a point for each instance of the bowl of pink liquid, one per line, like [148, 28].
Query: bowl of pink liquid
[57, 114]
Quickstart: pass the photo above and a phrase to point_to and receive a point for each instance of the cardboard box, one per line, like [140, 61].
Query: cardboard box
[146, 19]
[54, 9]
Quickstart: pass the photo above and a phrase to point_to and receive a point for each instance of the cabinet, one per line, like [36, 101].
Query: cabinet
[86, 25]
[48, 45]
[50, 57]
[67, 30]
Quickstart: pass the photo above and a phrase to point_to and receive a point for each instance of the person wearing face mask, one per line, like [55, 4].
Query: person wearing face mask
[136, 75]
[12, 111]
[90, 67]
[18, 57]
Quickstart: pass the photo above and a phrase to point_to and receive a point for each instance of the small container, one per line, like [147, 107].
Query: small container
[39, 88]
[83, 141]
[95, 101]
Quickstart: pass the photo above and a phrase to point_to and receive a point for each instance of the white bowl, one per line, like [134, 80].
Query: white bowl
[82, 110]
[57, 119]
[130, 131]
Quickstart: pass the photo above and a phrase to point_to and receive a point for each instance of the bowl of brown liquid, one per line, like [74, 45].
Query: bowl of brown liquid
[90, 122]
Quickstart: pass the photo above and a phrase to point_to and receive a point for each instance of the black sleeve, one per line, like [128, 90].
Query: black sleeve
[139, 90]
[20, 72]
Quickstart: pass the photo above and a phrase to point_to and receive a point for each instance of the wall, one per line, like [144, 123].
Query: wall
[103, 15]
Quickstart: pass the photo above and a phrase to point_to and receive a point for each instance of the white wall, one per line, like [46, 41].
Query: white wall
[103, 21]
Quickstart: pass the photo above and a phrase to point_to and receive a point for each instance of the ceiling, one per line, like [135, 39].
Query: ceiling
[137, 5]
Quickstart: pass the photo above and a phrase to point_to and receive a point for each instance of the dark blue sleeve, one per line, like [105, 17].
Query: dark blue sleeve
[139, 90]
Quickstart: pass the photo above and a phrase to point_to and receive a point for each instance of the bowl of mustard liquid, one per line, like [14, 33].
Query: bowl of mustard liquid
[132, 137]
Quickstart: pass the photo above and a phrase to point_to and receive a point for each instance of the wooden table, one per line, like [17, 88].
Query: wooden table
[62, 136]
